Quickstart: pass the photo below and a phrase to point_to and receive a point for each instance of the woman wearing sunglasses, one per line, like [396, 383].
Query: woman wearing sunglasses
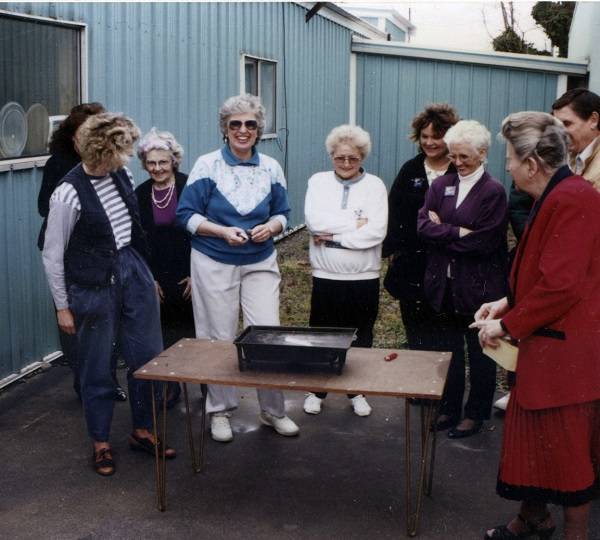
[234, 203]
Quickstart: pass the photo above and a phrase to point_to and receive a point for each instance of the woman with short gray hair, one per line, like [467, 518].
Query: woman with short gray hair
[234, 203]
[463, 224]
[161, 156]
[551, 443]
[346, 214]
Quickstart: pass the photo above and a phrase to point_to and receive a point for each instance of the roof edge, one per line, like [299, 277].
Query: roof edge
[521, 61]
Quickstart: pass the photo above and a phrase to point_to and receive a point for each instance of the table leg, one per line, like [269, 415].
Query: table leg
[204, 390]
[427, 415]
[434, 415]
[197, 461]
[160, 469]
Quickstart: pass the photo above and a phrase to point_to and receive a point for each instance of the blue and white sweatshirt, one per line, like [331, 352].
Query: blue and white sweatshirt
[233, 193]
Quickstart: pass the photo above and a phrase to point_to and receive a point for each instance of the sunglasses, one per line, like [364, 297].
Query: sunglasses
[251, 125]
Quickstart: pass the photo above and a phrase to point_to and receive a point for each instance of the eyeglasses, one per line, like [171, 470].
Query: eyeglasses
[235, 125]
[352, 160]
[162, 164]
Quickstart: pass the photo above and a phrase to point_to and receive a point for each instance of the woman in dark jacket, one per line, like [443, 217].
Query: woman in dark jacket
[63, 158]
[404, 279]
[463, 223]
[161, 155]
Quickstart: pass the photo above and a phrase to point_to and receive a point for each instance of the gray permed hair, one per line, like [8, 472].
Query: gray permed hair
[160, 140]
[469, 132]
[107, 140]
[349, 134]
[244, 103]
[538, 135]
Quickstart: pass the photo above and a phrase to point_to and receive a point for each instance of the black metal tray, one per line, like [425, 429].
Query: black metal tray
[294, 348]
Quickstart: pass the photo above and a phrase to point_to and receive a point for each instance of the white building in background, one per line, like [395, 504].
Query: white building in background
[583, 40]
[385, 19]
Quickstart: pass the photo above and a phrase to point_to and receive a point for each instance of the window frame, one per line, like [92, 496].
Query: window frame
[19, 163]
[259, 59]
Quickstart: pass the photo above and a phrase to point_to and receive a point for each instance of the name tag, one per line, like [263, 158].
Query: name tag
[450, 191]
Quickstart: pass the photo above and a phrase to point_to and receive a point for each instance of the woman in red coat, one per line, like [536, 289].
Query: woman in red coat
[551, 446]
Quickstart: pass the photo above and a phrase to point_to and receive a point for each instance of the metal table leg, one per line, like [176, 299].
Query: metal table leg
[413, 515]
[160, 467]
[197, 461]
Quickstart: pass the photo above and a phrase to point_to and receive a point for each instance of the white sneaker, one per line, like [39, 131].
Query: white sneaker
[220, 428]
[284, 426]
[360, 405]
[312, 404]
[502, 403]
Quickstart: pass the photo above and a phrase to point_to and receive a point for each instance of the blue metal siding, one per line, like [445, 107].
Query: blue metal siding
[392, 90]
[27, 322]
[171, 65]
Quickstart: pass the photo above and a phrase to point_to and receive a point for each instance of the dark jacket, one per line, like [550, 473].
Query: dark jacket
[478, 260]
[519, 206]
[406, 197]
[91, 253]
[169, 245]
[555, 300]
[57, 166]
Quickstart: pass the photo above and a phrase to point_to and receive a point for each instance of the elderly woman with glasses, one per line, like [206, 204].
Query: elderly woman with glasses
[103, 289]
[161, 155]
[463, 223]
[234, 203]
[551, 446]
[346, 214]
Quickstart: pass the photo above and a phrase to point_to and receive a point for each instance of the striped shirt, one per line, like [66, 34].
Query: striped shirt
[120, 220]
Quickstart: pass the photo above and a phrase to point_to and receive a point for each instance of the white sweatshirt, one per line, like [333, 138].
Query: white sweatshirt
[338, 207]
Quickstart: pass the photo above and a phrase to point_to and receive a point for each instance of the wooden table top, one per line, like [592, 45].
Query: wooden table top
[411, 374]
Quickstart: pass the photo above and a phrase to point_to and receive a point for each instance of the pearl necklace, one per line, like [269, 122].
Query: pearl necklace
[164, 202]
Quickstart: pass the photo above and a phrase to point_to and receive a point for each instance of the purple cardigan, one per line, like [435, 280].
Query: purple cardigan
[478, 261]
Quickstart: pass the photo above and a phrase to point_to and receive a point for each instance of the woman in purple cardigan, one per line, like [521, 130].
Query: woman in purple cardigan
[463, 223]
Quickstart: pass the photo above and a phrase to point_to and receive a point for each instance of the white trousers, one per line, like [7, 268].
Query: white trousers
[218, 290]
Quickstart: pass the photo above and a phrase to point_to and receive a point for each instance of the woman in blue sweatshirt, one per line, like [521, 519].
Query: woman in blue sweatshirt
[234, 203]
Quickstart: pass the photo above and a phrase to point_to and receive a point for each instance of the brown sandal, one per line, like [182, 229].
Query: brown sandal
[144, 444]
[103, 461]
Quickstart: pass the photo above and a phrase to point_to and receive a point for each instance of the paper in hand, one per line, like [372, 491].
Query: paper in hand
[505, 355]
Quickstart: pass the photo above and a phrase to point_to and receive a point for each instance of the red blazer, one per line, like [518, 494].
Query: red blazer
[555, 281]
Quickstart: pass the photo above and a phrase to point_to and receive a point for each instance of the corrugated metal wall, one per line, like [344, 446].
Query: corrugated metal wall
[391, 90]
[27, 327]
[171, 65]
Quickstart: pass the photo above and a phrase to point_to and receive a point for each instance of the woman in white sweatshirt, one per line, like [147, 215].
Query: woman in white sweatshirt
[346, 213]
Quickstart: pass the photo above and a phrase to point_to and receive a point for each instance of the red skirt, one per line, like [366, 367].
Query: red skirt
[551, 455]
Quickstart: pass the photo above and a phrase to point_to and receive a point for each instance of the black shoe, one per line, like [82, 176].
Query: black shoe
[120, 394]
[103, 462]
[443, 425]
[502, 532]
[456, 433]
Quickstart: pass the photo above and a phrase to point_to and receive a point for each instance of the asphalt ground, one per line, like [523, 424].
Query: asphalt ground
[343, 477]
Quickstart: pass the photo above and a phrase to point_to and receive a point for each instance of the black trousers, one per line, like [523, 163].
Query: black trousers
[421, 324]
[346, 304]
[454, 332]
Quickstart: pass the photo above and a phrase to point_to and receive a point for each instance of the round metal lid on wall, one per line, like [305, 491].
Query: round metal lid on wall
[37, 130]
[13, 130]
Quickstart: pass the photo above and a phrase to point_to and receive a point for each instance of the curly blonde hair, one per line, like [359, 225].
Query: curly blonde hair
[107, 140]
